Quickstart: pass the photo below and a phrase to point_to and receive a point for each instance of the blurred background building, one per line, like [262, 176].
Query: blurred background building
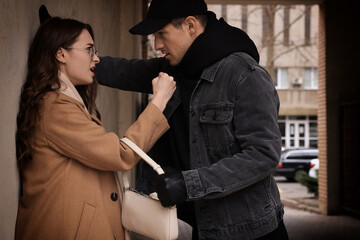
[287, 40]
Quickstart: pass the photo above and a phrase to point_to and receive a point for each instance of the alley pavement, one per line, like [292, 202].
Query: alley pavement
[305, 225]
[302, 218]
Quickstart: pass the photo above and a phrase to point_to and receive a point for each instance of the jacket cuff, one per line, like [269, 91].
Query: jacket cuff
[156, 115]
[193, 184]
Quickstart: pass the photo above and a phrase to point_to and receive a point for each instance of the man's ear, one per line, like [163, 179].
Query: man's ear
[193, 25]
[60, 55]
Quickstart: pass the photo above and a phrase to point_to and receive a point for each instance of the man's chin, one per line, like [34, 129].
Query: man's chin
[174, 64]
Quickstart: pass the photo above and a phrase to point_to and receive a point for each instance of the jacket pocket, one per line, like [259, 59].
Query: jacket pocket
[85, 221]
[217, 128]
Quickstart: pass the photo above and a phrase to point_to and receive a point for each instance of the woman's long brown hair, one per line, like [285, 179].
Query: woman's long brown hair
[42, 77]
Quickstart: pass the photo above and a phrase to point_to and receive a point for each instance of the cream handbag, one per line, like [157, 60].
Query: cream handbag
[144, 214]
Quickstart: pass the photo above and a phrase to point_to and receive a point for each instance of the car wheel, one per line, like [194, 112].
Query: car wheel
[290, 179]
[299, 174]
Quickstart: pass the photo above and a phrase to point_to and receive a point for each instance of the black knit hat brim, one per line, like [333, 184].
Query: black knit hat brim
[149, 26]
[161, 12]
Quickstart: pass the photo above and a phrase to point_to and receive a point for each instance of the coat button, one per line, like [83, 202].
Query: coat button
[114, 196]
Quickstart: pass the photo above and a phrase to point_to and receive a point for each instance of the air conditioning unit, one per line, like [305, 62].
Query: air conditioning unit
[297, 81]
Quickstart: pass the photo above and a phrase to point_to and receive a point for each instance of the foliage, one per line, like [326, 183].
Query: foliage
[309, 182]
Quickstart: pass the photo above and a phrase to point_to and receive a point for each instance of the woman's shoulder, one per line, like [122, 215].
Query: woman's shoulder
[58, 108]
[57, 102]
[56, 97]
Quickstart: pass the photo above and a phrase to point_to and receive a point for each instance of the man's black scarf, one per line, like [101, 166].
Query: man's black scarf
[217, 42]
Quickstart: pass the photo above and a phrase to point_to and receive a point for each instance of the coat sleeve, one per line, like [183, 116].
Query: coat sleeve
[257, 137]
[131, 75]
[73, 133]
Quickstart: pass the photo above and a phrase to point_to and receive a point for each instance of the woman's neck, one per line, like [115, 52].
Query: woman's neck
[68, 88]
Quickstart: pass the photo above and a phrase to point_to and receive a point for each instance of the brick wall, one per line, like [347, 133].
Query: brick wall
[321, 96]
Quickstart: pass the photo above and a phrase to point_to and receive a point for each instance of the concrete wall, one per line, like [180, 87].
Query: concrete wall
[298, 102]
[18, 23]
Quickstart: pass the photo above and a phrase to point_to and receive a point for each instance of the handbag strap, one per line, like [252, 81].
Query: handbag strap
[144, 156]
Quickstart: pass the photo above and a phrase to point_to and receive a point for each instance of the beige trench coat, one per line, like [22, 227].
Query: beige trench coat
[69, 188]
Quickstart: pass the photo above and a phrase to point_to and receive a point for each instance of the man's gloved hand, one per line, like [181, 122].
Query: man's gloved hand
[170, 188]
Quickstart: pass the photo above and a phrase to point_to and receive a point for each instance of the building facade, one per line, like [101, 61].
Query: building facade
[286, 37]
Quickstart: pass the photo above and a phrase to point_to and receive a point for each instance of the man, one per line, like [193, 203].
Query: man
[224, 142]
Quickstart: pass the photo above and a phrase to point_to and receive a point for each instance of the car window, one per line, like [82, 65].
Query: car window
[313, 155]
[295, 155]
[302, 155]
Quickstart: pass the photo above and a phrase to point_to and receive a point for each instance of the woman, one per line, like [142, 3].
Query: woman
[65, 157]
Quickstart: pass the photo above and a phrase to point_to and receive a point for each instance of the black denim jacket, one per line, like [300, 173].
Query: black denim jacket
[235, 142]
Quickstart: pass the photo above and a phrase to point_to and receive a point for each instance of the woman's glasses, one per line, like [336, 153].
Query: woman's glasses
[91, 50]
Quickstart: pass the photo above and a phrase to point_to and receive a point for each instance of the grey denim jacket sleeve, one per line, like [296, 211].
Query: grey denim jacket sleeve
[234, 117]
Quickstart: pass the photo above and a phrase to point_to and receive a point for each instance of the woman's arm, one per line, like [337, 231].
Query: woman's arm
[70, 131]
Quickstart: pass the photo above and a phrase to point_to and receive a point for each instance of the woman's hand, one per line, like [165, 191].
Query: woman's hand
[163, 88]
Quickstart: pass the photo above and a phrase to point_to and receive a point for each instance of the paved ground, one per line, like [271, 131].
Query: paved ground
[304, 225]
[303, 221]
[296, 196]
[302, 218]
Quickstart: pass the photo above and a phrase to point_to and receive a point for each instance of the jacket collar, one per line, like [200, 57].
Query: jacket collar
[208, 73]
[67, 88]
[218, 41]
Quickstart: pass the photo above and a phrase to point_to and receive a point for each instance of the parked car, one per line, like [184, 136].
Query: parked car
[314, 164]
[294, 162]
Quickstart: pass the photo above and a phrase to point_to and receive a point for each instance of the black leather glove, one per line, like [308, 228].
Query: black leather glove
[170, 188]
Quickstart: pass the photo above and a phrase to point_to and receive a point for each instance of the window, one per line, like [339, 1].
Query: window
[244, 18]
[313, 135]
[310, 78]
[296, 156]
[281, 78]
[282, 127]
[298, 131]
[303, 155]
[224, 11]
[297, 117]
[286, 25]
[307, 24]
[265, 25]
[312, 156]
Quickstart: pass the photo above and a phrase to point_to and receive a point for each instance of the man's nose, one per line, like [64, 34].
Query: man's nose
[158, 44]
